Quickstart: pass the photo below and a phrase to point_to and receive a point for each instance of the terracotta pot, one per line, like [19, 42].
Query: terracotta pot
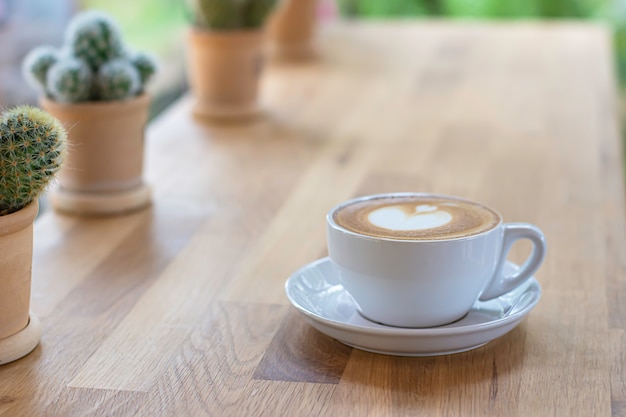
[103, 170]
[16, 254]
[224, 68]
[291, 29]
[18, 333]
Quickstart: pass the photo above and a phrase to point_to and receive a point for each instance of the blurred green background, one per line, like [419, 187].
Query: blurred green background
[612, 12]
[154, 24]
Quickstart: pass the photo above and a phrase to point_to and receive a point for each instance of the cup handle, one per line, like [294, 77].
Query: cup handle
[512, 232]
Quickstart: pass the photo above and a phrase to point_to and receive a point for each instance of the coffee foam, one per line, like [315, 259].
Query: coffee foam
[416, 218]
[402, 218]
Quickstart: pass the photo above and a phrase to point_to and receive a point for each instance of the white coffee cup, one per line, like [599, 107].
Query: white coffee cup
[432, 280]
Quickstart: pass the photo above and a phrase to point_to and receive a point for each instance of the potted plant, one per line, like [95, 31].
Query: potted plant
[96, 86]
[32, 149]
[291, 30]
[224, 56]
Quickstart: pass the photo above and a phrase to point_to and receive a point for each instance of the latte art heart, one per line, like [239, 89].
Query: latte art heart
[395, 218]
[415, 217]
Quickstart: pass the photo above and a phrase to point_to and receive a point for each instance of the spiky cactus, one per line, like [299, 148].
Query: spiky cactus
[217, 14]
[38, 62]
[257, 11]
[69, 80]
[95, 38]
[231, 15]
[92, 65]
[117, 79]
[32, 149]
[145, 64]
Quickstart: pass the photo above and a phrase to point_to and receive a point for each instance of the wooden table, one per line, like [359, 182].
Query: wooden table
[179, 310]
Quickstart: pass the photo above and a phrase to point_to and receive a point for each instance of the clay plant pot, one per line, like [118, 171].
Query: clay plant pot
[103, 171]
[291, 30]
[19, 329]
[224, 69]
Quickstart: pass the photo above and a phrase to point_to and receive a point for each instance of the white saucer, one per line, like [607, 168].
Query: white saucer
[315, 291]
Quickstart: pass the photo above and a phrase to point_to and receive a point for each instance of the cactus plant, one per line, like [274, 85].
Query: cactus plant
[95, 38]
[231, 15]
[217, 14]
[257, 11]
[145, 65]
[69, 80]
[32, 149]
[38, 62]
[92, 65]
[118, 79]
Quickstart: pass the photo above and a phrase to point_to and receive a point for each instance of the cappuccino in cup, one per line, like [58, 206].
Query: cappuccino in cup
[422, 260]
[417, 217]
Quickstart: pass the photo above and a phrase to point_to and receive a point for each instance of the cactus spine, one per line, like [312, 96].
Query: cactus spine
[232, 15]
[32, 149]
[94, 63]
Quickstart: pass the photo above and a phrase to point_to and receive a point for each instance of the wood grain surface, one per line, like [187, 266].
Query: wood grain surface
[179, 309]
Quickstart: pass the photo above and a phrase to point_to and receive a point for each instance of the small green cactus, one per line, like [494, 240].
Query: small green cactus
[32, 149]
[217, 14]
[118, 79]
[231, 15]
[95, 38]
[256, 12]
[37, 63]
[69, 80]
[145, 64]
[92, 65]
